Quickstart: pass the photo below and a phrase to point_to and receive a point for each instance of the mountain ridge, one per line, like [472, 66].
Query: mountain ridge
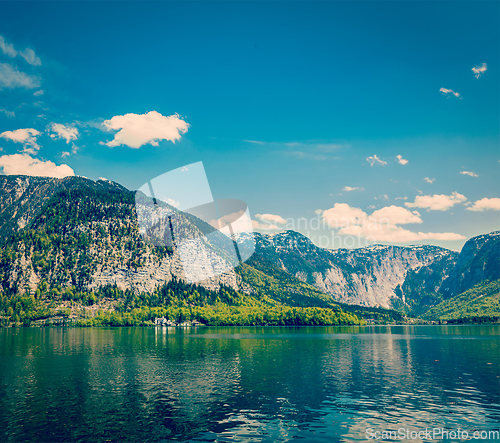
[79, 233]
[366, 276]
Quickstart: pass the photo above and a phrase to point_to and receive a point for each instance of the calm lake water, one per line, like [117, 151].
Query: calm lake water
[323, 384]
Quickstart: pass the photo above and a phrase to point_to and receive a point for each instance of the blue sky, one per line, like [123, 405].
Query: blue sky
[298, 108]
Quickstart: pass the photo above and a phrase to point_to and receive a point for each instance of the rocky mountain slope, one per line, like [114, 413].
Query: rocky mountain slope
[479, 304]
[22, 197]
[410, 279]
[74, 232]
[427, 286]
[366, 276]
[479, 261]
[84, 235]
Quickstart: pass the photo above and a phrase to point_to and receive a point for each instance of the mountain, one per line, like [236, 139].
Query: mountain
[82, 234]
[427, 286]
[76, 232]
[410, 279]
[471, 291]
[370, 276]
[76, 253]
[75, 236]
[422, 286]
[479, 304]
[22, 197]
[479, 261]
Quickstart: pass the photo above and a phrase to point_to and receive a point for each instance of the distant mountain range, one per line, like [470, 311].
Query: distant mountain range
[407, 278]
[84, 234]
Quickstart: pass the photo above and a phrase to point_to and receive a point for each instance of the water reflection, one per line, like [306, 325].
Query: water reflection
[244, 384]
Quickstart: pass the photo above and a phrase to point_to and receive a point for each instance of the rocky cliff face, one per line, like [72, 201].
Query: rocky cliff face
[76, 232]
[422, 286]
[379, 270]
[479, 261]
[365, 276]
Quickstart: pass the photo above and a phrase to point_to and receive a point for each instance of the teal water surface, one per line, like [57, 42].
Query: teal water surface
[273, 384]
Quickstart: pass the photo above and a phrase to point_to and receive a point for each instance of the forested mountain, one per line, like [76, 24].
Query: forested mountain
[410, 279]
[371, 276]
[479, 304]
[84, 234]
[80, 243]
[479, 261]
[22, 197]
[71, 239]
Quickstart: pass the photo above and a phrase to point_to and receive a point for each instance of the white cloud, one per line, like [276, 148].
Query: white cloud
[401, 160]
[449, 91]
[23, 164]
[309, 149]
[8, 113]
[238, 221]
[381, 225]
[10, 77]
[437, 202]
[29, 55]
[135, 130]
[472, 174]
[67, 133]
[302, 154]
[264, 226]
[396, 215]
[270, 222]
[375, 160]
[329, 147]
[429, 180]
[38, 93]
[478, 70]
[349, 189]
[25, 136]
[64, 154]
[7, 48]
[344, 215]
[271, 218]
[257, 142]
[484, 204]
[398, 234]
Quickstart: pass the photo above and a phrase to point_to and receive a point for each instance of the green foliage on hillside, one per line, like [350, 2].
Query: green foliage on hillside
[378, 315]
[271, 282]
[479, 304]
[223, 315]
[179, 293]
[82, 232]
[176, 301]
[77, 232]
[479, 261]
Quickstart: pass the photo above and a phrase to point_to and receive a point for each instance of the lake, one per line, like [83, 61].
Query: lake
[241, 384]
